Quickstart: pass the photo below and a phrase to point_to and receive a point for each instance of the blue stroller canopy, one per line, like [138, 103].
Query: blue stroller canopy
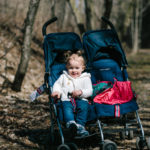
[94, 41]
[55, 43]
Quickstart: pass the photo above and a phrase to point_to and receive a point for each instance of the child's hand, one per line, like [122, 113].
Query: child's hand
[76, 93]
[55, 95]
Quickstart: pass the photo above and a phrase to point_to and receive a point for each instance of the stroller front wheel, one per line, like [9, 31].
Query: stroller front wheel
[72, 146]
[109, 145]
[122, 135]
[52, 136]
[140, 143]
[148, 143]
[130, 135]
[63, 147]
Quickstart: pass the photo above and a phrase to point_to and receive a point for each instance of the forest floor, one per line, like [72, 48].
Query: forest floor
[25, 125]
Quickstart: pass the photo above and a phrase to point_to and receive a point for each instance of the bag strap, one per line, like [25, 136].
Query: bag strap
[115, 80]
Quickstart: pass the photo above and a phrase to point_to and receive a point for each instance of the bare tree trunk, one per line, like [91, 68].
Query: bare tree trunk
[140, 22]
[59, 11]
[53, 2]
[79, 26]
[107, 11]
[25, 54]
[88, 14]
[136, 29]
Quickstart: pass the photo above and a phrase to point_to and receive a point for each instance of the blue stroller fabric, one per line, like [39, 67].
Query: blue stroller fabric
[100, 41]
[55, 43]
[106, 70]
[56, 71]
[105, 59]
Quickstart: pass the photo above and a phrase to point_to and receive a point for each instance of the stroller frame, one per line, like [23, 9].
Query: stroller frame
[141, 141]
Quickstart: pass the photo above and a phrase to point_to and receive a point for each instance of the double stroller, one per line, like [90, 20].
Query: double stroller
[105, 61]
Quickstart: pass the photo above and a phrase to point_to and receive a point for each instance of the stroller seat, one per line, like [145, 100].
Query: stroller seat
[106, 70]
[106, 61]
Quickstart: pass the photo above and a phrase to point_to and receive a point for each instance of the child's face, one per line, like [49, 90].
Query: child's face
[75, 68]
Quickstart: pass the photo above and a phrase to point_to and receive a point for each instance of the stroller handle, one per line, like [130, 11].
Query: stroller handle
[108, 22]
[46, 24]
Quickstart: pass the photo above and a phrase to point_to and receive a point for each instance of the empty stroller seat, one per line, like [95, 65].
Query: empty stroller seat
[106, 60]
[106, 70]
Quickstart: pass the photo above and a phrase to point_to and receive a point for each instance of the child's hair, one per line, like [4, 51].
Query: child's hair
[78, 55]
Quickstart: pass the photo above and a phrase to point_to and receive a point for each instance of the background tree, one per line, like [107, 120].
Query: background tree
[106, 12]
[145, 35]
[88, 14]
[53, 2]
[25, 53]
[71, 15]
[136, 26]
[59, 8]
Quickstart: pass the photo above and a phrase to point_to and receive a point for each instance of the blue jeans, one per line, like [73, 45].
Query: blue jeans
[80, 114]
[106, 70]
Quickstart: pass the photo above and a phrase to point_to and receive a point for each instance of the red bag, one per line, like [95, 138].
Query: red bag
[120, 93]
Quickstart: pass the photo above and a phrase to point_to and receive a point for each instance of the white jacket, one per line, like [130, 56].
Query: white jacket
[66, 84]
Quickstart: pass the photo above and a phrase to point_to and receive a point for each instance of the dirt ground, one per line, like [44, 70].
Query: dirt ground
[25, 125]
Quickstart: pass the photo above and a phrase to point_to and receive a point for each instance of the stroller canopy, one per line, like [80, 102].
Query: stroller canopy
[55, 43]
[95, 41]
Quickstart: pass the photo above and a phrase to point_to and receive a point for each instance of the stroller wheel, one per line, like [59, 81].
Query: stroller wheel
[148, 143]
[109, 145]
[63, 147]
[140, 143]
[130, 135]
[122, 135]
[52, 135]
[72, 146]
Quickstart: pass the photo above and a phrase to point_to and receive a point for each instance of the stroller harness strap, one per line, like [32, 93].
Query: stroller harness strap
[73, 102]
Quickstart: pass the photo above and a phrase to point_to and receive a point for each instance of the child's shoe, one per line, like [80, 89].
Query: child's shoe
[72, 128]
[81, 131]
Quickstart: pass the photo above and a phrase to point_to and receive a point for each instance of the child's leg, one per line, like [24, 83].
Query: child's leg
[81, 117]
[82, 112]
[68, 111]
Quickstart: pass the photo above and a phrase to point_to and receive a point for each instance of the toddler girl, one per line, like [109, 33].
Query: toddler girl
[73, 87]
